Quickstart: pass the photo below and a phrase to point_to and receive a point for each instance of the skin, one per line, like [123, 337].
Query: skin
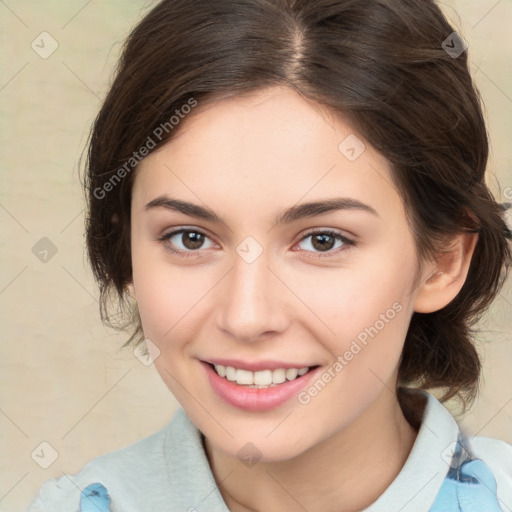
[248, 159]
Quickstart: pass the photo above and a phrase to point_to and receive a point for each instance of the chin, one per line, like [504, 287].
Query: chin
[251, 449]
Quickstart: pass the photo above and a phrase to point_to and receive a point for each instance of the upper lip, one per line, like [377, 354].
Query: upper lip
[255, 366]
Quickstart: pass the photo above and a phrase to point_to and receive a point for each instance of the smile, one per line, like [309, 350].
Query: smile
[260, 390]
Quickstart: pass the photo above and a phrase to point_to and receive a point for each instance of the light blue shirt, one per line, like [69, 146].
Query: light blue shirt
[169, 472]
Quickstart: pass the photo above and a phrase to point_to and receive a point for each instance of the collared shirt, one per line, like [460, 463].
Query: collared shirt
[168, 471]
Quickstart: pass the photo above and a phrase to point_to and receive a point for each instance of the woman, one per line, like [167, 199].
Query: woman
[293, 194]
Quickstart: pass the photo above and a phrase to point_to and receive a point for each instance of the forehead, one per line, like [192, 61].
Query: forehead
[271, 147]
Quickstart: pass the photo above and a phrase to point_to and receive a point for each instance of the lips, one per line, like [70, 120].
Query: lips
[254, 399]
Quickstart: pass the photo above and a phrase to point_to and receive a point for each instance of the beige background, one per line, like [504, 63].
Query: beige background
[64, 380]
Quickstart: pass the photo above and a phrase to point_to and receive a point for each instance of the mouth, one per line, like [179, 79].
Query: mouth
[261, 390]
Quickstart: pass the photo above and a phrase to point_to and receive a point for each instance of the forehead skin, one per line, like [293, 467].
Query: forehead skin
[291, 154]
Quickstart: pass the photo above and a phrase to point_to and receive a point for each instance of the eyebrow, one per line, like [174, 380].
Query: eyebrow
[289, 216]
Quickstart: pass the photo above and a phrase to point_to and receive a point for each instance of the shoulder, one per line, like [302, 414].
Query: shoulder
[139, 466]
[494, 452]
[437, 456]
[497, 455]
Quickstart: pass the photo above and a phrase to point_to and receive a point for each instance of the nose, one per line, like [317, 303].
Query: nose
[251, 305]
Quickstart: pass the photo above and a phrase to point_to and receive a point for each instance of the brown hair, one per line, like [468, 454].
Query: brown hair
[381, 64]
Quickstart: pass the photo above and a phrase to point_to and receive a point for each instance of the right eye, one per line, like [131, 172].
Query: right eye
[193, 241]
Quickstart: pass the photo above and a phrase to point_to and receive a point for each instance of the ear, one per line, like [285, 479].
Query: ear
[445, 277]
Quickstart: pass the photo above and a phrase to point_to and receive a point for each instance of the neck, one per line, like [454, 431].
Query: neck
[350, 469]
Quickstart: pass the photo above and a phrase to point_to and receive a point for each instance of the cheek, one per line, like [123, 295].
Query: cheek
[162, 306]
[352, 298]
[172, 299]
[367, 308]
[162, 294]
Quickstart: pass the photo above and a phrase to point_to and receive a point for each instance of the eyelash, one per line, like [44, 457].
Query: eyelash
[187, 254]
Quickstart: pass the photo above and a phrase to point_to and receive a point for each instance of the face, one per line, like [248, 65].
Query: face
[331, 291]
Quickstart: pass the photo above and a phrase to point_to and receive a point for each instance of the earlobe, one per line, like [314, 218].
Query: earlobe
[446, 277]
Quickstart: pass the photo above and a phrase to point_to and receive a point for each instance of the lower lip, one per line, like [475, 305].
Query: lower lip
[254, 399]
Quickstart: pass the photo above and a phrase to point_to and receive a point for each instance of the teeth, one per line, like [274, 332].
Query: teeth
[279, 376]
[260, 379]
[291, 373]
[230, 373]
[244, 377]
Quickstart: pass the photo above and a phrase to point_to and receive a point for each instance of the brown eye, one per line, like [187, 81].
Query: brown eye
[191, 241]
[325, 241]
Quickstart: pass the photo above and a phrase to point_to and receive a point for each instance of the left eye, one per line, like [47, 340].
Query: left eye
[322, 241]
